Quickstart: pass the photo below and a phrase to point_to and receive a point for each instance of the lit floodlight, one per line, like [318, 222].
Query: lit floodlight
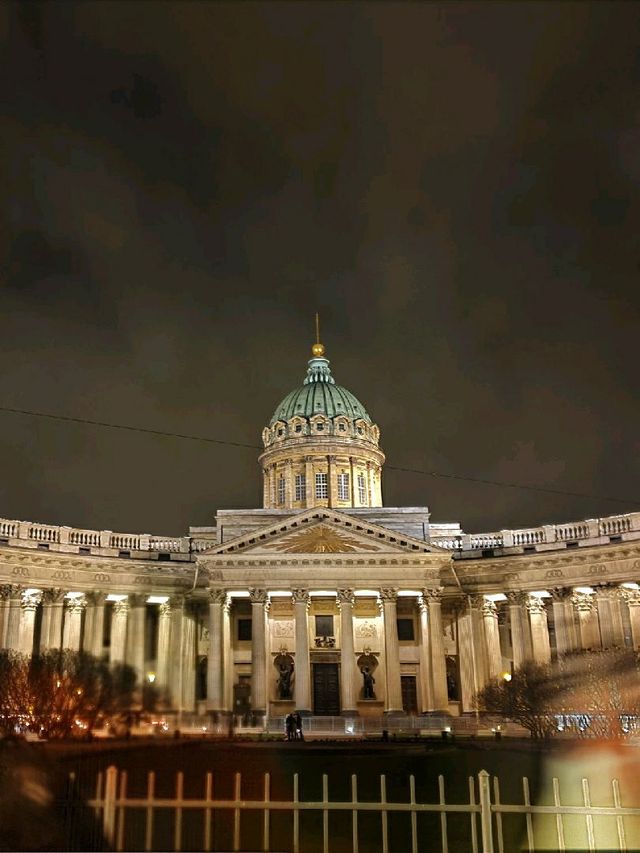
[115, 597]
[496, 596]
[585, 590]
[157, 599]
[540, 593]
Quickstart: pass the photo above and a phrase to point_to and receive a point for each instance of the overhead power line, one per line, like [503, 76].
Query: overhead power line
[227, 443]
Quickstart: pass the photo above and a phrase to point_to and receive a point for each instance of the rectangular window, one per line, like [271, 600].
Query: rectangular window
[321, 486]
[343, 487]
[281, 490]
[362, 490]
[405, 629]
[324, 626]
[301, 487]
[244, 629]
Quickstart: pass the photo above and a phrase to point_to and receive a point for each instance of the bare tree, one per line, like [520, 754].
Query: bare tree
[61, 692]
[526, 698]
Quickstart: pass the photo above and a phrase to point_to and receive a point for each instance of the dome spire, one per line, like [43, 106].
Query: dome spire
[317, 350]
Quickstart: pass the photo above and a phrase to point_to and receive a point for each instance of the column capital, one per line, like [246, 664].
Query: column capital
[516, 597]
[489, 608]
[218, 596]
[164, 610]
[535, 605]
[75, 605]
[560, 594]
[631, 596]
[7, 590]
[95, 597]
[137, 599]
[121, 606]
[433, 595]
[345, 596]
[30, 601]
[258, 596]
[475, 601]
[300, 596]
[388, 595]
[583, 602]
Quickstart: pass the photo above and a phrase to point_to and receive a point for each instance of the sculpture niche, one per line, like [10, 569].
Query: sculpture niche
[369, 681]
[284, 665]
[367, 663]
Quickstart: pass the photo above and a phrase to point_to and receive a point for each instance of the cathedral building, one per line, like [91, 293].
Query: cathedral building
[324, 600]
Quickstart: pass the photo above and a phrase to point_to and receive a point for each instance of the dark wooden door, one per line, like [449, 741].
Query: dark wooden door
[409, 694]
[326, 689]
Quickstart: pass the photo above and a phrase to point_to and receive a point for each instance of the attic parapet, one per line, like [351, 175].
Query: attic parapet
[546, 537]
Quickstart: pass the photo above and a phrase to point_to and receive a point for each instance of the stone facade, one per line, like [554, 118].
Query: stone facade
[325, 604]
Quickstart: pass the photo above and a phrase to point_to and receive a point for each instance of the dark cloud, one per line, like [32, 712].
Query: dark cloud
[454, 187]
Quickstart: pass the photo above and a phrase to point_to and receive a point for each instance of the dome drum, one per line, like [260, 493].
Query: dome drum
[321, 447]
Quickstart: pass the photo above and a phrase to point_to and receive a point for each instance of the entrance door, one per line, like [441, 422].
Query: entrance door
[326, 690]
[409, 694]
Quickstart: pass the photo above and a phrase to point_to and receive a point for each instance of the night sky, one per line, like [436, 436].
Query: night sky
[454, 187]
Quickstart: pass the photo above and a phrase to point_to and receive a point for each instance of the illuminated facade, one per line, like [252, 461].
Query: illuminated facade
[323, 600]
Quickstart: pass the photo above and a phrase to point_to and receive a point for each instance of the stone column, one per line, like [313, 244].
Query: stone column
[53, 606]
[29, 604]
[289, 485]
[135, 655]
[72, 632]
[332, 480]
[118, 646]
[228, 660]
[309, 480]
[585, 606]
[215, 692]
[516, 619]
[605, 624]
[561, 628]
[348, 687]
[468, 675]
[353, 473]
[539, 630]
[13, 619]
[5, 592]
[632, 597]
[433, 598]
[259, 603]
[475, 604]
[163, 656]
[615, 603]
[94, 624]
[188, 654]
[302, 687]
[426, 675]
[492, 638]
[176, 676]
[609, 616]
[393, 693]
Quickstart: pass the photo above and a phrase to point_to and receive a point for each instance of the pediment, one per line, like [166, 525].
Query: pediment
[322, 531]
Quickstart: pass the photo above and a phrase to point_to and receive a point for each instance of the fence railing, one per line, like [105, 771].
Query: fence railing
[114, 807]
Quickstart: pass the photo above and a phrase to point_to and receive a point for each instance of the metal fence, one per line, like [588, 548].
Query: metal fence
[115, 809]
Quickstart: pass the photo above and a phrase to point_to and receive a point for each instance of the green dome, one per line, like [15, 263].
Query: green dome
[319, 395]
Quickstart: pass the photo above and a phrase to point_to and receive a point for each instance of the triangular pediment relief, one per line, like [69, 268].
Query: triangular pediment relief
[322, 531]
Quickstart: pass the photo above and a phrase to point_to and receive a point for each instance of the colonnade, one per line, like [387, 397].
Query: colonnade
[431, 641]
[492, 633]
[582, 618]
